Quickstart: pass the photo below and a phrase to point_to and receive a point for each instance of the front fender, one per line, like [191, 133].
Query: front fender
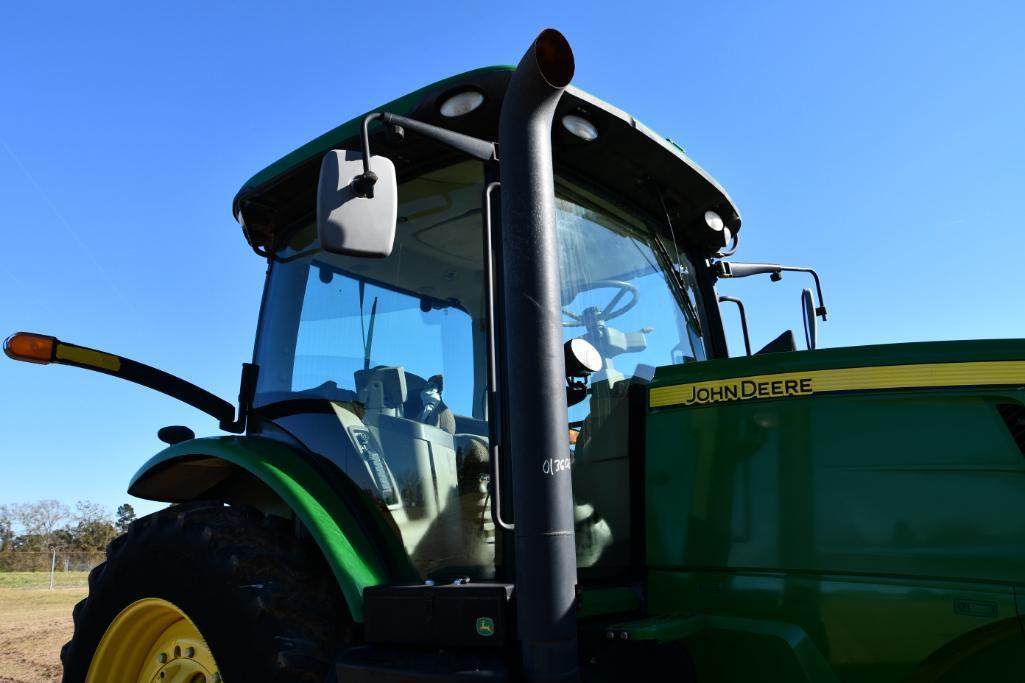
[355, 539]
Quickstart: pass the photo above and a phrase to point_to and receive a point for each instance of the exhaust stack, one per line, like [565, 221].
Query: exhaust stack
[537, 445]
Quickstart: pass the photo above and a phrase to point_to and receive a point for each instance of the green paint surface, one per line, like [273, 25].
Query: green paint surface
[846, 357]
[876, 535]
[336, 135]
[405, 105]
[612, 600]
[323, 511]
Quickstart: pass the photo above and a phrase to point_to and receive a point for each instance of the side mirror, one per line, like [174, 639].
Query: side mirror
[347, 222]
[811, 330]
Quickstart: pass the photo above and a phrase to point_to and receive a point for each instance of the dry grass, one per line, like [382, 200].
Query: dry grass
[34, 623]
[40, 580]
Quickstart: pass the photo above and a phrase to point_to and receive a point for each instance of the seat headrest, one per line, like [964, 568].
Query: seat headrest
[381, 388]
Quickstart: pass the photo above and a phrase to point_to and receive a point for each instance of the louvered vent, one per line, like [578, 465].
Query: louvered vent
[1014, 418]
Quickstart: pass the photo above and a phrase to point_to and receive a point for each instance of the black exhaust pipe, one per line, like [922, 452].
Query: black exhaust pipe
[537, 443]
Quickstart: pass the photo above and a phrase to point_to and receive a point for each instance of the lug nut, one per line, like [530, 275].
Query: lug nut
[190, 652]
[162, 658]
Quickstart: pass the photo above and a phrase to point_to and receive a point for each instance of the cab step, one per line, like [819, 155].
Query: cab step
[385, 664]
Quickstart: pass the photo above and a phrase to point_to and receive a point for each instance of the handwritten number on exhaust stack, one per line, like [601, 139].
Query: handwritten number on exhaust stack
[553, 466]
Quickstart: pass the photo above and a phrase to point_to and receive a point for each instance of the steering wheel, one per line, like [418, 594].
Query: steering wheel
[609, 310]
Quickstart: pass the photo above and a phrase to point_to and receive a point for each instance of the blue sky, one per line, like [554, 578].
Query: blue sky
[881, 143]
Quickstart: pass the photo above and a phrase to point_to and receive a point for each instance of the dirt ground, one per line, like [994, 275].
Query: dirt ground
[34, 623]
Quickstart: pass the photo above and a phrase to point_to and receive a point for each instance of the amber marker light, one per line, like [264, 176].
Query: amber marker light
[34, 348]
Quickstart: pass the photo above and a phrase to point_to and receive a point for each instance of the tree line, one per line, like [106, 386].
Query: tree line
[52, 525]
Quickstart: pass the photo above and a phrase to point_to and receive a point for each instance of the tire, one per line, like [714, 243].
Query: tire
[263, 599]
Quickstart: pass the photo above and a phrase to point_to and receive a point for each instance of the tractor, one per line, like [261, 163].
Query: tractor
[492, 432]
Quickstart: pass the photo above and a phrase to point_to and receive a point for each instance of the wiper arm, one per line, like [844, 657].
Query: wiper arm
[370, 335]
[676, 282]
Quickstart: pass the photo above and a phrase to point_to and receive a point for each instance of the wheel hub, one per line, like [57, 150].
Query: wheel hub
[153, 641]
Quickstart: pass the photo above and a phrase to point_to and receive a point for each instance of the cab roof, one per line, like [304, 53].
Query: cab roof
[627, 159]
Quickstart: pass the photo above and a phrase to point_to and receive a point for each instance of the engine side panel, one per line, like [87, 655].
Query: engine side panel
[885, 521]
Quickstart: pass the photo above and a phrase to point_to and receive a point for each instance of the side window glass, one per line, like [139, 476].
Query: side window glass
[379, 364]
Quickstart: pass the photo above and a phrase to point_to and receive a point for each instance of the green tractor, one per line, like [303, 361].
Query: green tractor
[491, 432]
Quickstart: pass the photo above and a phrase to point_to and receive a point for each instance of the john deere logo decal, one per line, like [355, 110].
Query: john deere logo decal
[835, 380]
[485, 627]
[745, 389]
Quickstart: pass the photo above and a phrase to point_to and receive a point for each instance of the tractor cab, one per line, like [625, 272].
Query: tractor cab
[422, 365]
[381, 364]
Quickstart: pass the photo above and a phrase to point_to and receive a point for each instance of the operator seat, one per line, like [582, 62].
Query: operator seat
[441, 476]
[471, 449]
[473, 523]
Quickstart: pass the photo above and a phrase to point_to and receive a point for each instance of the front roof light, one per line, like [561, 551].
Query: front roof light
[714, 221]
[580, 127]
[461, 103]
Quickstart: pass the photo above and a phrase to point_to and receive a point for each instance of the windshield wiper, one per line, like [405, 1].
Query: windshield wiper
[676, 282]
[368, 336]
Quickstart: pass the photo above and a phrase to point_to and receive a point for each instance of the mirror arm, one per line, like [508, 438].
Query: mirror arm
[743, 319]
[475, 147]
[364, 184]
[726, 269]
[820, 310]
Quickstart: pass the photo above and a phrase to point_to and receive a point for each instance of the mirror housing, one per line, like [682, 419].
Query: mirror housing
[350, 224]
[811, 330]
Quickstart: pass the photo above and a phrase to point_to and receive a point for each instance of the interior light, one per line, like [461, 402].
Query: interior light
[580, 127]
[462, 103]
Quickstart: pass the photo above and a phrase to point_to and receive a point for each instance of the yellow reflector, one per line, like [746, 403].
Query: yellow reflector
[88, 357]
[34, 348]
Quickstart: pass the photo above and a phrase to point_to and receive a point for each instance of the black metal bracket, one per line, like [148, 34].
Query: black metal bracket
[728, 269]
[743, 319]
[363, 184]
[490, 334]
[246, 393]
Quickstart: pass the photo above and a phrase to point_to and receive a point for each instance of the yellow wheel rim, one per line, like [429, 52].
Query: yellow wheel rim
[152, 641]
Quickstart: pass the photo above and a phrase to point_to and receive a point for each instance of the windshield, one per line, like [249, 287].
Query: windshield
[618, 291]
[380, 364]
